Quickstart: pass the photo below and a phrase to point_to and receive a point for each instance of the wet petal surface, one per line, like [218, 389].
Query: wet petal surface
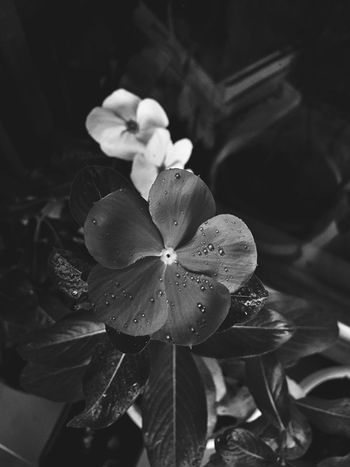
[179, 202]
[119, 230]
[197, 307]
[223, 248]
[131, 300]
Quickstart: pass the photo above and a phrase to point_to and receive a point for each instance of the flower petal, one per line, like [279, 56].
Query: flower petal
[99, 120]
[118, 142]
[128, 300]
[150, 114]
[119, 230]
[143, 174]
[157, 147]
[123, 103]
[179, 202]
[178, 154]
[223, 247]
[198, 305]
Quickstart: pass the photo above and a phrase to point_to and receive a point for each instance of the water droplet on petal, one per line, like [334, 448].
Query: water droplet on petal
[168, 337]
[192, 329]
[202, 288]
[151, 300]
[177, 175]
[211, 247]
[94, 221]
[106, 302]
[178, 275]
[221, 251]
[135, 320]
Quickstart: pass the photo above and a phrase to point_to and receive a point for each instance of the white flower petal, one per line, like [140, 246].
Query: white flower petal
[178, 154]
[99, 120]
[157, 147]
[117, 142]
[150, 114]
[123, 103]
[143, 174]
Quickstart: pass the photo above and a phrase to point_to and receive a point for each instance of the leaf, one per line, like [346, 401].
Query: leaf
[298, 436]
[210, 392]
[245, 303]
[290, 444]
[57, 384]
[329, 416]
[111, 384]
[239, 405]
[67, 343]
[174, 409]
[69, 272]
[90, 185]
[125, 343]
[315, 328]
[264, 333]
[343, 461]
[266, 381]
[240, 447]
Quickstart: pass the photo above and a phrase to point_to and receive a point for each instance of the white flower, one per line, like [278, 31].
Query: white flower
[125, 123]
[160, 154]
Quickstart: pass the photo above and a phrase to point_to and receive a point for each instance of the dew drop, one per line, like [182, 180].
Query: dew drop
[160, 293]
[94, 221]
[142, 315]
[199, 305]
[176, 223]
[211, 247]
[198, 280]
[199, 253]
[201, 229]
[113, 296]
[246, 247]
[151, 300]
[75, 292]
[106, 302]
[168, 337]
[202, 288]
[184, 284]
[216, 231]
[226, 269]
[178, 275]
[221, 251]
[192, 329]
[205, 251]
[177, 175]
[135, 320]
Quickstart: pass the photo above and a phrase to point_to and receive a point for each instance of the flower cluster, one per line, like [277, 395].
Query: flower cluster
[133, 129]
[165, 268]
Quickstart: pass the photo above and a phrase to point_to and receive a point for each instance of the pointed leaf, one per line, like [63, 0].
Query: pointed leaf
[174, 410]
[267, 383]
[67, 343]
[264, 333]
[245, 303]
[112, 383]
[329, 416]
[90, 185]
[343, 461]
[240, 447]
[125, 343]
[315, 329]
[57, 384]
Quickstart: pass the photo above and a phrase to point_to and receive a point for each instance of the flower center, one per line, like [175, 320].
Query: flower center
[168, 256]
[132, 126]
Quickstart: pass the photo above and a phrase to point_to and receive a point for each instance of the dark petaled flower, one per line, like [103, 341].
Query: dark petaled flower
[167, 267]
